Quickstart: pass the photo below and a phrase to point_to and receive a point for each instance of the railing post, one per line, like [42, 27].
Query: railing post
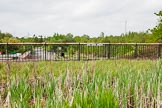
[79, 52]
[45, 50]
[135, 51]
[108, 55]
[7, 51]
[159, 51]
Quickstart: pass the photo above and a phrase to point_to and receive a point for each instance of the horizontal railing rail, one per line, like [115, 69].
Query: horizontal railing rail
[80, 43]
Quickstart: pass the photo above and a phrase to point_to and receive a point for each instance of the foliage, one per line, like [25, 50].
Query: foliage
[130, 37]
[8, 38]
[157, 31]
[97, 84]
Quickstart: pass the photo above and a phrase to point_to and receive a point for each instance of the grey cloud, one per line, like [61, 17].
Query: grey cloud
[77, 16]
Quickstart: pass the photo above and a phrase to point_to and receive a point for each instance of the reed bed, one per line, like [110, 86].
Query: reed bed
[84, 84]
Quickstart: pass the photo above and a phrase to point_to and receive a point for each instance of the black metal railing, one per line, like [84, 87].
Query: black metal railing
[78, 51]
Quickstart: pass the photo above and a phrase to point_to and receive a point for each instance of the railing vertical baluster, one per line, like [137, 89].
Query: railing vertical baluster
[98, 51]
[79, 52]
[121, 55]
[143, 52]
[87, 52]
[45, 51]
[108, 55]
[125, 52]
[126, 55]
[94, 57]
[7, 51]
[159, 51]
[104, 51]
[73, 54]
[32, 52]
[135, 51]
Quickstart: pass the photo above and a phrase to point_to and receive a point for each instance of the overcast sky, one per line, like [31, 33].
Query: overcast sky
[45, 17]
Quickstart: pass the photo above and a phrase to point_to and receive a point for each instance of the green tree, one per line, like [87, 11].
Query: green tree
[69, 38]
[157, 31]
[102, 34]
